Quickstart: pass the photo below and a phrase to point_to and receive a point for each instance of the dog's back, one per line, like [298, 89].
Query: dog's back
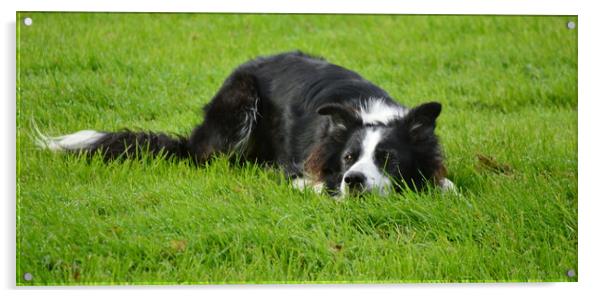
[292, 87]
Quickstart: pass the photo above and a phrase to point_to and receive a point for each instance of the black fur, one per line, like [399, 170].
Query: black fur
[300, 113]
[129, 144]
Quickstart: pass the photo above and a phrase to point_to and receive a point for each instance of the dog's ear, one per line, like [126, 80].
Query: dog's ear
[420, 121]
[339, 114]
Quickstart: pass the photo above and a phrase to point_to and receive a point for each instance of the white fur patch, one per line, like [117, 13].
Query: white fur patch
[302, 183]
[375, 179]
[75, 141]
[446, 185]
[376, 110]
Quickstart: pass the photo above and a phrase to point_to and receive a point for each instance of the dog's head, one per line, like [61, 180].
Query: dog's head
[382, 147]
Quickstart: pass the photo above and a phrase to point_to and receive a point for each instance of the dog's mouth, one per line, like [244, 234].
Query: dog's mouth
[357, 191]
[361, 191]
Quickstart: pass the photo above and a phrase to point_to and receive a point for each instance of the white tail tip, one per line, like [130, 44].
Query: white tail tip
[75, 141]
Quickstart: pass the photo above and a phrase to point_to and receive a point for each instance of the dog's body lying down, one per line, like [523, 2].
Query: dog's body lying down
[324, 125]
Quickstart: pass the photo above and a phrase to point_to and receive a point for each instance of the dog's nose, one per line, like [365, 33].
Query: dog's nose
[355, 180]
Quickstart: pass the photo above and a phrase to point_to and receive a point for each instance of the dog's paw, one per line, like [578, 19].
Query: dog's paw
[302, 184]
[447, 186]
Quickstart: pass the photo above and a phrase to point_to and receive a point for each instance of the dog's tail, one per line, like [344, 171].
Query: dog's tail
[112, 145]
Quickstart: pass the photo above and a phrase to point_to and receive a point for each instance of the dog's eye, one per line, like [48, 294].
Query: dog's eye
[348, 157]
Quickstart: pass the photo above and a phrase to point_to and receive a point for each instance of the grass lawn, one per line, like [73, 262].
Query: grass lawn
[508, 86]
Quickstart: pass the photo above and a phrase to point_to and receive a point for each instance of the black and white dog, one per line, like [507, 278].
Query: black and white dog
[328, 128]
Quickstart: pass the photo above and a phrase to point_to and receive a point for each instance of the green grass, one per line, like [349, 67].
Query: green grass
[509, 90]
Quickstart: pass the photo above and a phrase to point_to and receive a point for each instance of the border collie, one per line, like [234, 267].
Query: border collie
[328, 128]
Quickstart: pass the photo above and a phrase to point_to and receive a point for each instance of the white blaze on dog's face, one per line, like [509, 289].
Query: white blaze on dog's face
[363, 172]
[385, 147]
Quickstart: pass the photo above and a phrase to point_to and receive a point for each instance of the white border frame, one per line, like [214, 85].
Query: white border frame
[589, 20]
